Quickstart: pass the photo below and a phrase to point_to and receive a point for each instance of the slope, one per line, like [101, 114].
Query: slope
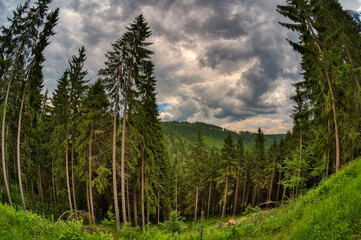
[330, 211]
[179, 135]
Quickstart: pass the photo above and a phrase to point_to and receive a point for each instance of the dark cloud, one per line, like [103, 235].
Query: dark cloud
[223, 62]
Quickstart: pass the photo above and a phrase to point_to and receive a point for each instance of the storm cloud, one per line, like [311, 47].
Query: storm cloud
[221, 62]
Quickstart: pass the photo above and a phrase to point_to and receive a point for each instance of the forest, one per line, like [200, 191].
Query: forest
[97, 150]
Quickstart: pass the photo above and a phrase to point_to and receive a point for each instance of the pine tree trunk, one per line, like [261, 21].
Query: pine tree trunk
[123, 150]
[88, 202]
[128, 203]
[225, 198]
[209, 199]
[278, 186]
[271, 184]
[33, 196]
[254, 195]
[18, 145]
[244, 190]
[53, 180]
[67, 171]
[135, 207]
[176, 190]
[3, 143]
[196, 204]
[40, 187]
[142, 192]
[236, 195]
[283, 195]
[214, 202]
[90, 176]
[300, 159]
[72, 172]
[114, 161]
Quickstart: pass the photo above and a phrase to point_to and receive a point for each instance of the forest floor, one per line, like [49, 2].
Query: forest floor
[330, 211]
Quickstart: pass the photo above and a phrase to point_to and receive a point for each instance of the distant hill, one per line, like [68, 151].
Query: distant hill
[179, 135]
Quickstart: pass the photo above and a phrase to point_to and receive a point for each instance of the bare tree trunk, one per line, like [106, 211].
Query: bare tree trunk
[72, 172]
[278, 186]
[41, 195]
[300, 159]
[128, 204]
[114, 161]
[214, 201]
[135, 207]
[33, 196]
[90, 175]
[225, 198]
[271, 184]
[3, 143]
[244, 189]
[254, 195]
[67, 170]
[88, 202]
[176, 190]
[142, 192]
[53, 180]
[283, 195]
[196, 204]
[18, 146]
[123, 151]
[236, 194]
[209, 199]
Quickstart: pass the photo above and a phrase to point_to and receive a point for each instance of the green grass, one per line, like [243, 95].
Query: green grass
[330, 211]
[26, 225]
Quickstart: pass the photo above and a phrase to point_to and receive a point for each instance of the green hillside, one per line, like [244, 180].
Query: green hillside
[179, 135]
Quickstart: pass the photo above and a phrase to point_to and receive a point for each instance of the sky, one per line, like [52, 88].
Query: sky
[221, 62]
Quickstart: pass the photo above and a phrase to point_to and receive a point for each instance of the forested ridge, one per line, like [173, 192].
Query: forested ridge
[97, 151]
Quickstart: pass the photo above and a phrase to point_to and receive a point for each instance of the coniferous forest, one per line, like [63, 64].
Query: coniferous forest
[97, 151]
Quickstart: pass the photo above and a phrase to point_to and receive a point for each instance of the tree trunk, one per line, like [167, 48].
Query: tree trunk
[114, 161]
[18, 145]
[3, 142]
[40, 184]
[278, 186]
[225, 198]
[33, 196]
[53, 180]
[176, 190]
[271, 184]
[88, 202]
[236, 195]
[67, 171]
[214, 201]
[135, 207]
[283, 195]
[128, 203]
[72, 172]
[254, 195]
[90, 175]
[142, 192]
[300, 159]
[209, 199]
[244, 189]
[196, 204]
[123, 149]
